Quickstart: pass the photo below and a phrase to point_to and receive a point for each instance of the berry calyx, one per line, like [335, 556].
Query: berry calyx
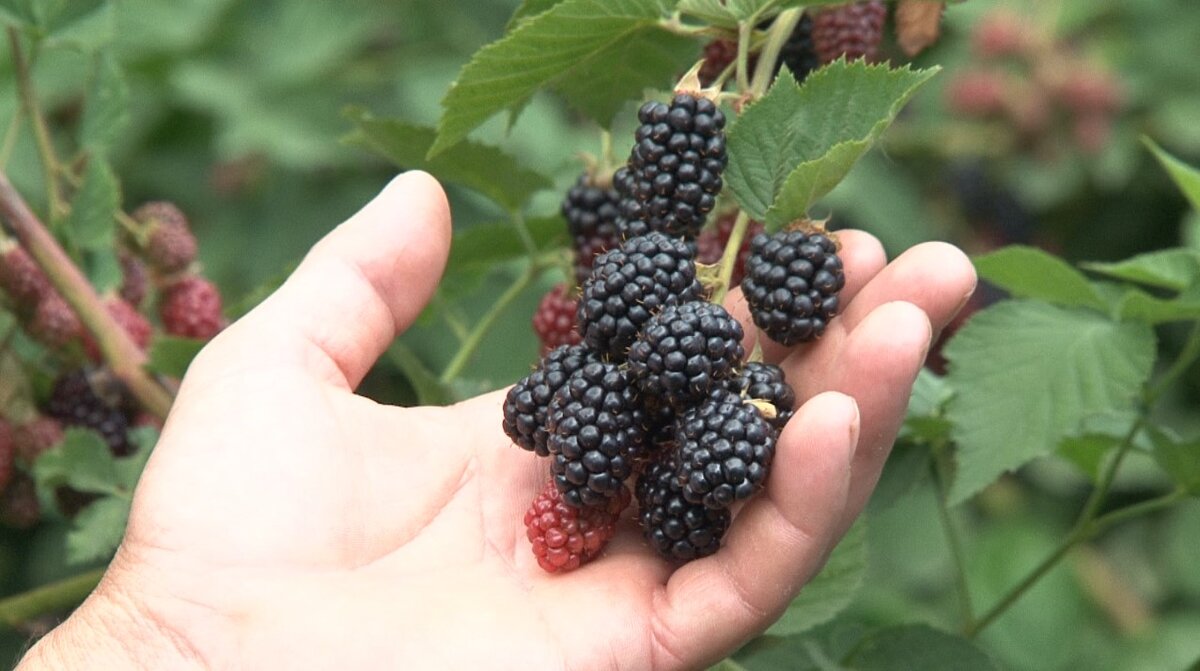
[554, 320]
[191, 308]
[686, 351]
[792, 283]
[528, 401]
[725, 450]
[766, 382]
[565, 537]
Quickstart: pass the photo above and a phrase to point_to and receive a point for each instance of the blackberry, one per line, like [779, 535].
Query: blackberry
[766, 382]
[564, 537]
[21, 277]
[526, 404]
[134, 281]
[629, 285]
[554, 320]
[675, 166]
[676, 529]
[19, 507]
[725, 450]
[129, 319]
[191, 308]
[75, 402]
[591, 212]
[792, 284]
[54, 323]
[685, 351]
[36, 436]
[799, 53]
[170, 246]
[597, 431]
[853, 30]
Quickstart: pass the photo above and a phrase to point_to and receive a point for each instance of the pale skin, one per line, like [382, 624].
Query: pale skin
[285, 522]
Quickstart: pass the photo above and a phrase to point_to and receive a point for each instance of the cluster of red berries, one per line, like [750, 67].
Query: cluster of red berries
[158, 257]
[1036, 85]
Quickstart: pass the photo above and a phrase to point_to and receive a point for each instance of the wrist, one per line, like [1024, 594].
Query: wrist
[110, 631]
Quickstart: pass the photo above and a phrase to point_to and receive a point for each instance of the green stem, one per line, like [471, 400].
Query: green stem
[1104, 522]
[729, 257]
[745, 31]
[1104, 483]
[1187, 357]
[780, 31]
[51, 598]
[475, 338]
[1017, 592]
[954, 543]
[41, 131]
[10, 138]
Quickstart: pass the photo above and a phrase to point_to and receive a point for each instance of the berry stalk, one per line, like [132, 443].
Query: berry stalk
[115, 344]
[729, 258]
[777, 36]
[41, 132]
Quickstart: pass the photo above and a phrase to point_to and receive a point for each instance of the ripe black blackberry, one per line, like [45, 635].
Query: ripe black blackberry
[591, 212]
[75, 402]
[766, 382]
[676, 529]
[631, 283]
[792, 284]
[527, 403]
[597, 432]
[725, 450]
[675, 166]
[686, 351]
[798, 52]
[853, 30]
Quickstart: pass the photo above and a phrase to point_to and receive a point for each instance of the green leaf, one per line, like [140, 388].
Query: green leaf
[91, 221]
[1186, 177]
[171, 355]
[545, 50]
[82, 25]
[107, 109]
[1175, 269]
[529, 8]
[485, 169]
[1179, 458]
[485, 246]
[918, 646]
[906, 468]
[81, 461]
[796, 143]
[832, 590]
[1140, 306]
[1026, 373]
[712, 12]
[129, 469]
[1088, 451]
[97, 530]
[1027, 272]
[103, 268]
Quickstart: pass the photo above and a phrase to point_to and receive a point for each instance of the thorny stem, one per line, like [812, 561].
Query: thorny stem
[953, 541]
[119, 350]
[729, 257]
[56, 596]
[473, 340]
[41, 131]
[780, 31]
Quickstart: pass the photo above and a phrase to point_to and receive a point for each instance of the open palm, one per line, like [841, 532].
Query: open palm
[284, 522]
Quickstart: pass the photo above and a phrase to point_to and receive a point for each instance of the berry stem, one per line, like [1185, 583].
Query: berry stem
[463, 356]
[67, 593]
[778, 35]
[729, 257]
[119, 350]
[745, 31]
[41, 131]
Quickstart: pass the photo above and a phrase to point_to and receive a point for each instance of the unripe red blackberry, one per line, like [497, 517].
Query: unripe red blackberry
[526, 405]
[977, 93]
[129, 319]
[564, 537]
[8, 452]
[19, 506]
[725, 450]
[676, 529]
[629, 285]
[21, 277]
[591, 212]
[792, 283]
[597, 431]
[766, 382]
[853, 31]
[718, 55]
[674, 169]
[686, 351]
[170, 245]
[191, 308]
[799, 53]
[1001, 33]
[54, 323]
[35, 437]
[75, 402]
[554, 321]
[134, 280]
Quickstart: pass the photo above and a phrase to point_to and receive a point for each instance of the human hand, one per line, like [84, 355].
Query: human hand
[284, 522]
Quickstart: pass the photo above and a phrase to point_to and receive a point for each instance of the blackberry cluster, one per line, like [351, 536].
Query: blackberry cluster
[629, 285]
[591, 212]
[676, 529]
[673, 175]
[852, 31]
[799, 53]
[686, 351]
[792, 283]
[527, 404]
